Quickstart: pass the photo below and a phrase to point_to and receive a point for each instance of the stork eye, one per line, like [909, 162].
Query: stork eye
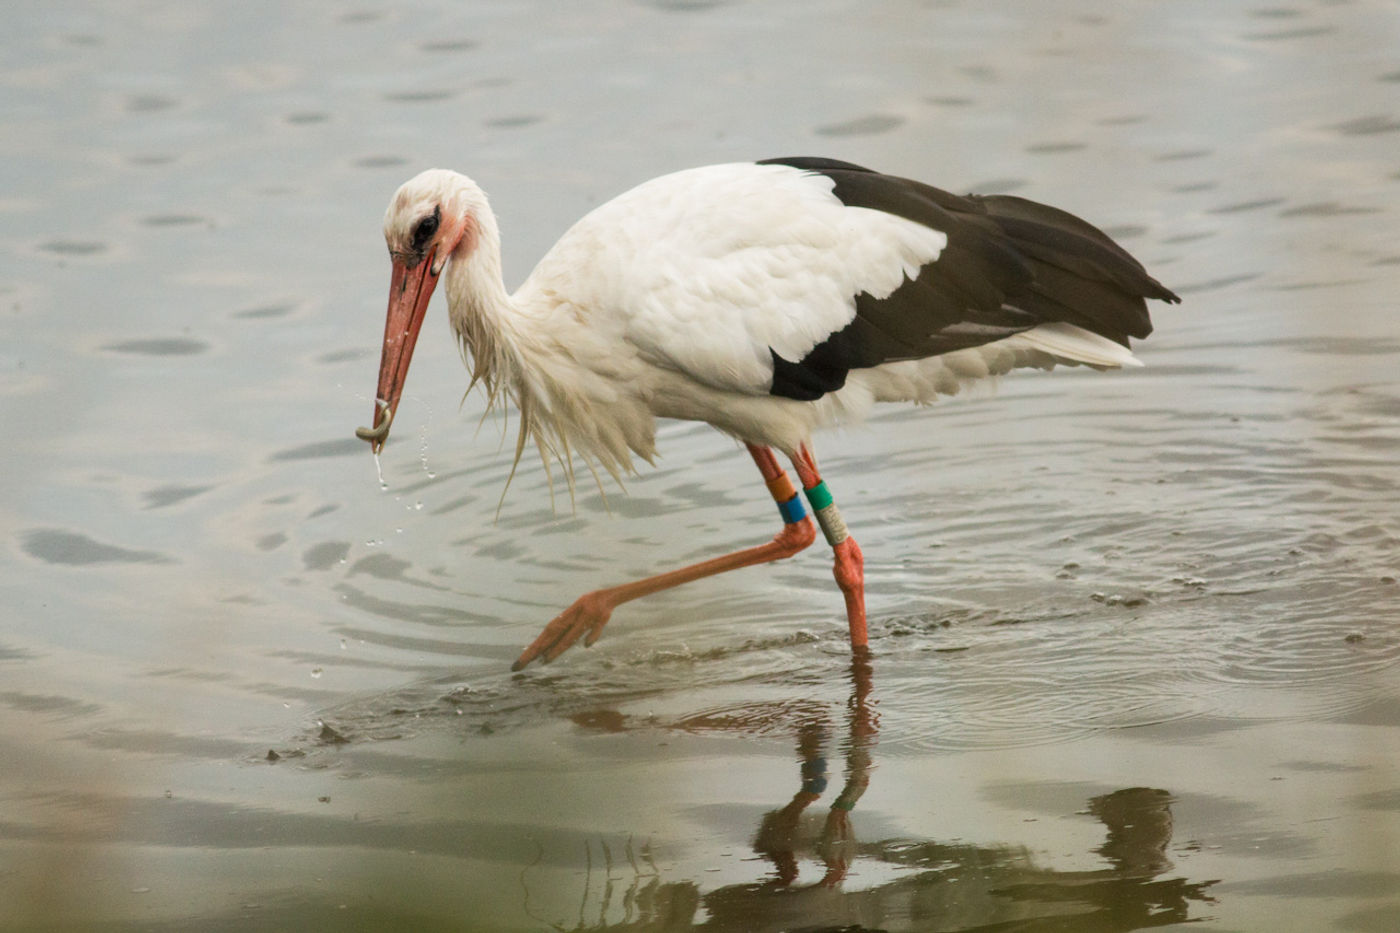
[423, 233]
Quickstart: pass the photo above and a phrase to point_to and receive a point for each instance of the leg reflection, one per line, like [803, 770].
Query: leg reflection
[778, 832]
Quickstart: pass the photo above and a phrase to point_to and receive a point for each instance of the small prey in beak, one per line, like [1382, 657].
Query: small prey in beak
[377, 434]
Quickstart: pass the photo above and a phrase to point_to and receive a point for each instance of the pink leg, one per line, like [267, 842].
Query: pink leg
[850, 563]
[590, 612]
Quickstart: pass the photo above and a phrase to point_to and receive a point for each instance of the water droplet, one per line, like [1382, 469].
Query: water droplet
[379, 469]
[423, 439]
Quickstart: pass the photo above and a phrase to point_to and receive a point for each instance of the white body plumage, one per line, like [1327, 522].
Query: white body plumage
[671, 299]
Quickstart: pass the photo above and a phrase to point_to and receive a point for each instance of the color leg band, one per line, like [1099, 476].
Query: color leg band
[819, 496]
[828, 516]
[781, 487]
[792, 510]
[833, 526]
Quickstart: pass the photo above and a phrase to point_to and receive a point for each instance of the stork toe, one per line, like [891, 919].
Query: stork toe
[586, 617]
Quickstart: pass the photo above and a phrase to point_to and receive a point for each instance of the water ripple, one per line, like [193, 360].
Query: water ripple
[56, 546]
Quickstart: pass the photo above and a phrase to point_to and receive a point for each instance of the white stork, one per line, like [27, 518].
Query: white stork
[767, 299]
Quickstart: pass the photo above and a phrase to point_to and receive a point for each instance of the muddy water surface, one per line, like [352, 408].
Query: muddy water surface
[1134, 635]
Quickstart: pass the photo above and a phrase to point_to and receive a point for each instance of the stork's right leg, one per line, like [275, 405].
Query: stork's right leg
[849, 569]
[591, 611]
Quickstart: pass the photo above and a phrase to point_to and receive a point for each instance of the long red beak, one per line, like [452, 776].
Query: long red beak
[410, 289]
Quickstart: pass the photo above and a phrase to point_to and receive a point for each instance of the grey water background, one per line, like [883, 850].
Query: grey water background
[1134, 634]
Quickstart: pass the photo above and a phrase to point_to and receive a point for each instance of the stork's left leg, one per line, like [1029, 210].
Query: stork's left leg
[850, 564]
[590, 612]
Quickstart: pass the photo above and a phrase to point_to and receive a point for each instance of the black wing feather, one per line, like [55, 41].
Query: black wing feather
[1009, 265]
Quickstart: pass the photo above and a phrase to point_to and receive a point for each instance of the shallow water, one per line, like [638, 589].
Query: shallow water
[1134, 641]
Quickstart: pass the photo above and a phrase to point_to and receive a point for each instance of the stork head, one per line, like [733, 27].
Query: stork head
[431, 219]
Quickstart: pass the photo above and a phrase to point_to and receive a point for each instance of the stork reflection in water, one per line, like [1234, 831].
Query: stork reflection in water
[921, 883]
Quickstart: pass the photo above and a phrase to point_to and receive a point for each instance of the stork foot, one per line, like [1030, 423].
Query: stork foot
[850, 576]
[587, 616]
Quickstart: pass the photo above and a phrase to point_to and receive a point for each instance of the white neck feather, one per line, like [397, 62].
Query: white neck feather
[480, 309]
[507, 346]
